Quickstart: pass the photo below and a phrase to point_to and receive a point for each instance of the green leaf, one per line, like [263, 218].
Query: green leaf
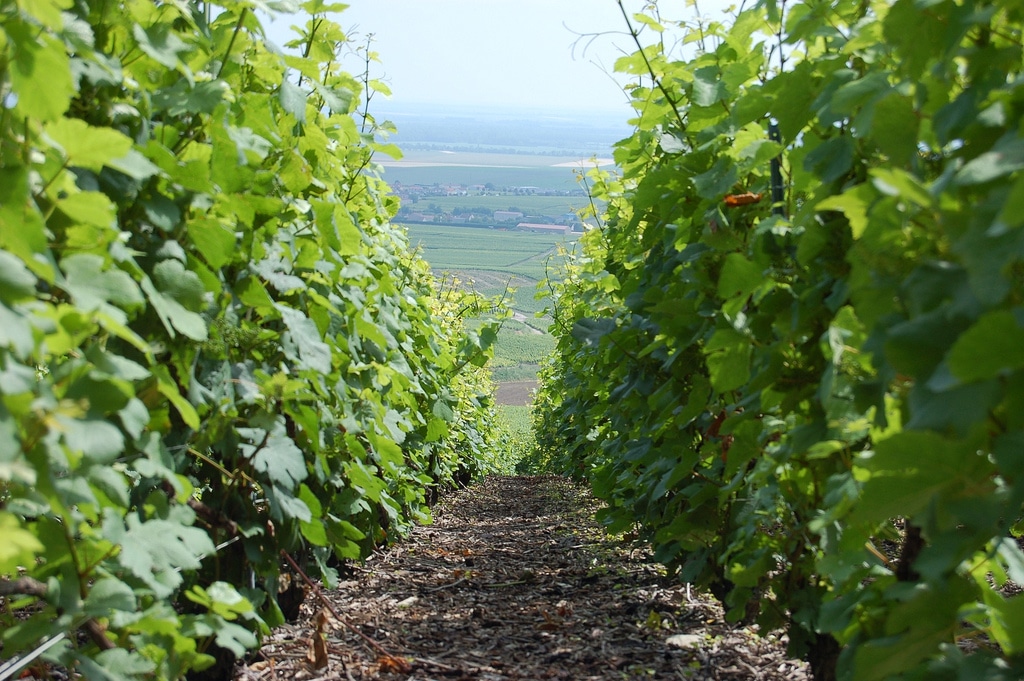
[793, 93]
[900, 183]
[15, 332]
[274, 455]
[918, 622]
[48, 12]
[896, 128]
[1007, 621]
[858, 92]
[87, 146]
[134, 417]
[993, 346]
[214, 242]
[303, 335]
[99, 440]
[831, 159]
[134, 165]
[120, 664]
[338, 100]
[293, 100]
[321, 7]
[161, 43]
[1012, 215]
[728, 360]
[910, 471]
[718, 181]
[739, 277]
[349, 235]
[34, 63]
[109, 594]
[155, 551]
[442, 410]
[235, 638]
[591, 331]
[387, 449]
[162, 212]
[169, 389]
[90, 208]
[116, 366]
[221, 599]
[22, 230]
[111, 483]
[196, 98]
[437, 429]
[185, 287]
[649, 22]
[16, 281]
[180, 292]
[314, 531]
[1006, 156]
[19, 547]
[915, 347]
[90, 285]
[708, 87]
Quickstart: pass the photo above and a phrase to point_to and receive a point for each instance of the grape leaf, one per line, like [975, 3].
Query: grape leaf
[92, 286]
[45, 61]
[992, 347]
[156, 550]
[87, 146]
[19, 547]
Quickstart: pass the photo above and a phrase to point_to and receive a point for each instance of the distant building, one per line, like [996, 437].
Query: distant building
[539, 227]
[507, 215]
[420, 217]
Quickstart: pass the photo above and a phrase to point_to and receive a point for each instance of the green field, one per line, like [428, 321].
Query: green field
[491, 256]
[526, 204]
[492, 261]
[500, 170]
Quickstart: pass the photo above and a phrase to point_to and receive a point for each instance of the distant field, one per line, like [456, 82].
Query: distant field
[451, 147]
[501, 170]
[485, 159]
[526, 204]
[491, 261]
[488, 250]
[558, 179]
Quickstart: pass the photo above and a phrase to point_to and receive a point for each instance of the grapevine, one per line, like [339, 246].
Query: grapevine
[808, 400]
[214, 345]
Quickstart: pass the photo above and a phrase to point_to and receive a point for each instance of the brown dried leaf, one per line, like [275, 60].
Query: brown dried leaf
[393, 665]
[317, 654]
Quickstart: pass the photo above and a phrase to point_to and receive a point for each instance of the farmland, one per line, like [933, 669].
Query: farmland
[492, 261]
[525, 255]
[528, 204]
[500, 176]
[474, 185]
[439, 180]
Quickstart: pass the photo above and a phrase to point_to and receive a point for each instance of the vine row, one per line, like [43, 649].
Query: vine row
[210, 332]
[806, 393]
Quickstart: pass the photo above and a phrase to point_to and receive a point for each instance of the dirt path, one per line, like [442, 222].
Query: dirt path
[515, 581]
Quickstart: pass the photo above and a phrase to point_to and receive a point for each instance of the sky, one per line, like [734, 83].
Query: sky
[535, 54]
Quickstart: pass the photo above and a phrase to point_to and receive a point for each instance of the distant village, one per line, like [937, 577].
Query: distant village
[417, 207]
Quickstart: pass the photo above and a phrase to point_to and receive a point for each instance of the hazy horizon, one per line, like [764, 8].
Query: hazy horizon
[546, 55]
[489, 129]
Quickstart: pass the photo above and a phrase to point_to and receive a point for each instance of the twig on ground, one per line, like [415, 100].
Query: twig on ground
[458, 581]
[399, 662]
